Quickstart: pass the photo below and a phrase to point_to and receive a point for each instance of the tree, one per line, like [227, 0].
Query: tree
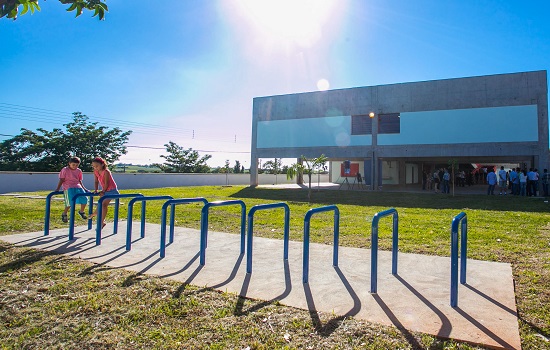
[307, 166]
[180, 160]
[10, 8]
[50, 150]
[273, 166]
[237, 167]
[226, 168]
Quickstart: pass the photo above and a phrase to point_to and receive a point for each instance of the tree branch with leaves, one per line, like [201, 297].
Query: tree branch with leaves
[12, 8]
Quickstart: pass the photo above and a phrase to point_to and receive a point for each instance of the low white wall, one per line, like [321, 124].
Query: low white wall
[28, 182]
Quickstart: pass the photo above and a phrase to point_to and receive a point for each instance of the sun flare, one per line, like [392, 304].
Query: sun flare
[299, 22]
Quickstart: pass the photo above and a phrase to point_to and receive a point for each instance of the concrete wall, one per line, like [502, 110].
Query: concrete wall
[28, 182]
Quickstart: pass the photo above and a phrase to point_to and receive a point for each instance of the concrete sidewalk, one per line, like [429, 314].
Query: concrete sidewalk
[417, 299]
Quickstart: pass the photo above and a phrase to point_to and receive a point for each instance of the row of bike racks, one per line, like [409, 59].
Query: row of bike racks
[171, 203]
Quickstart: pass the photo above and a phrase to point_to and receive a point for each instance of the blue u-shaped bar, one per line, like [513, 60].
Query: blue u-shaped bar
[463, 220]
[73, 208]
[116, 197]
[143, 200]
[172, 204]
[251, 230]
[204, 224]
[307, 219]
[374, 246]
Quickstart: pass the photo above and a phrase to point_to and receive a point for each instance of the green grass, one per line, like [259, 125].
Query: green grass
[55, 301]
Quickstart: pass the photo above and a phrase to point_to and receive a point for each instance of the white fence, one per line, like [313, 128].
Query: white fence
[28, 182]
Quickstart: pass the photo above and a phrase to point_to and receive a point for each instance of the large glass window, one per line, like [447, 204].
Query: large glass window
[389, 123]
[361, 125]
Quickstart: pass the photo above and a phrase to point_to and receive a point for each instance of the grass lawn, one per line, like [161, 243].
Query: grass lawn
[49, 300]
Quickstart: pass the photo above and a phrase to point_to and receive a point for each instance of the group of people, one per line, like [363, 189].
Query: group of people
[516, 181]
[440, 180]
[70, 179]
[520, 182]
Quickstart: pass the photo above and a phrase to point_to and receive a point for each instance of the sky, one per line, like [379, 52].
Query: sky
[187, 71]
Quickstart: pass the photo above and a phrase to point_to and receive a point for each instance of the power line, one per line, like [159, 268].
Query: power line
[9, 111]
[198, 150]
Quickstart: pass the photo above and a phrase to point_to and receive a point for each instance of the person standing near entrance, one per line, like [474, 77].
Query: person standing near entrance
[492, 181]
[514, 181]
[436, 181]
[522, 182]
[502, 181]
[446, 178]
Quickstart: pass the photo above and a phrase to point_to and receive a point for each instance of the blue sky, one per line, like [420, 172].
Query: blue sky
[187, 71]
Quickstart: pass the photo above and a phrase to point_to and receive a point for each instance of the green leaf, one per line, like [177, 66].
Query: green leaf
[72, 7]
[25, 8]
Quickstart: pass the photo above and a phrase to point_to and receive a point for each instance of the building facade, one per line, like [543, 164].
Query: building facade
[395, 132]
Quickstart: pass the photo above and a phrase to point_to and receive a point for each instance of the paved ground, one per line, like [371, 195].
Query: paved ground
[417, 299]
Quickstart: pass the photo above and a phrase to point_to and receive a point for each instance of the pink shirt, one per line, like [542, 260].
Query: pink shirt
[101, 178]
[71, 177]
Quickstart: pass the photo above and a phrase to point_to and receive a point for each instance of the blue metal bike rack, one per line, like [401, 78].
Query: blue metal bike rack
[307, 219]
[116, 197]
[172, 203]
[47, 213]
[460, 218]
[143, 201]
[251, 230]
[374, 247]
[73, 208]
[204, 224]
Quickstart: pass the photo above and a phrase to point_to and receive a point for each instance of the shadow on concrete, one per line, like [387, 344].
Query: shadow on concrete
[408, 335]
[221, 284]
[242, 295]
[184, 267]
[328, 328]
[480, 293]
[483, 328]
[446, 327]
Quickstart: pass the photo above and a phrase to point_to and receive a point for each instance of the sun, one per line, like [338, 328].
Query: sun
[299, 22]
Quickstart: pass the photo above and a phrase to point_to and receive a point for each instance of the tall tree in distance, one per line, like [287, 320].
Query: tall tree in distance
[10, 8]
[237, 167]
[45, 150]
[180, 160]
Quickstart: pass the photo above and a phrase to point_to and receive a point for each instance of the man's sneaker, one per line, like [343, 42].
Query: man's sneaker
[64, 217]
[82, 215]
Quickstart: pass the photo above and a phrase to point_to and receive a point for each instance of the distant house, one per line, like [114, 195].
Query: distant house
[395, 132]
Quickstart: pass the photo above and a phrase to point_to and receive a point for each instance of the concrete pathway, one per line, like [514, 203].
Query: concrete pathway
[417, 299]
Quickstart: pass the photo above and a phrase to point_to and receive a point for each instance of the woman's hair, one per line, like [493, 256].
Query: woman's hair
[74, 160]
[101, 161]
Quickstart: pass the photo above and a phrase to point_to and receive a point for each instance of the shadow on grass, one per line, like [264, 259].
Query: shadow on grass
[23, 259]
[426, 200]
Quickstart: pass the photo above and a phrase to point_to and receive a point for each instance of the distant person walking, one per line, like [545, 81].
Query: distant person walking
[104, 178]
[70, 178]
[492, 181]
